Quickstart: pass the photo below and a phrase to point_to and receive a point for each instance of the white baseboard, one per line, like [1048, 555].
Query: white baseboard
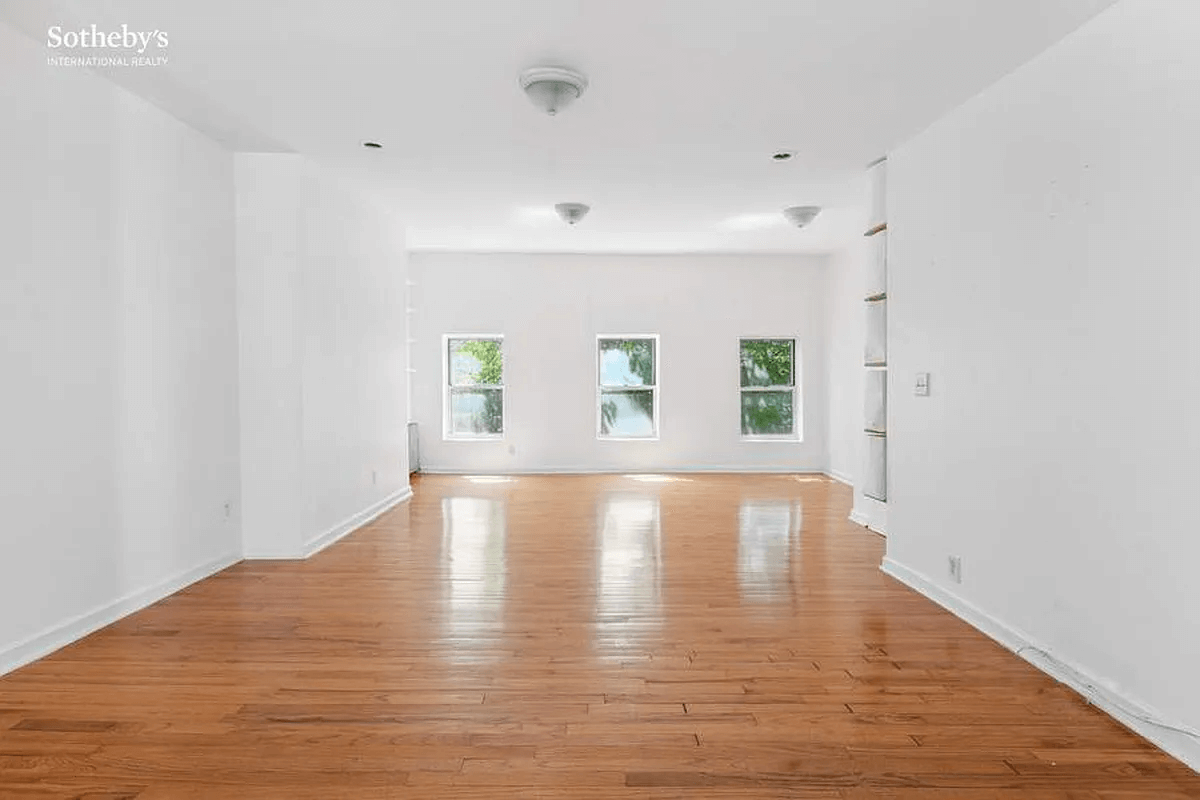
[354, 522]
[43, 644]
[870, 513]
[1125, 710]
[839, 477]
[859, 517]
[676, 470]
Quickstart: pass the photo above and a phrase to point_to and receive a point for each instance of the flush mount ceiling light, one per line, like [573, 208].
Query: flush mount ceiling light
[373, 145]
[572, 212]
[800, 216]
[553, 88]
[782, 155]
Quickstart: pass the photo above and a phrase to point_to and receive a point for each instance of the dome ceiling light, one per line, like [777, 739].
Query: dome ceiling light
[572, 213]
[553, 88]
[801, 216]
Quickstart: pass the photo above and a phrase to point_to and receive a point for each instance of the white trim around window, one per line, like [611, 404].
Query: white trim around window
[654, 388]
[797, 432]
[448, 389]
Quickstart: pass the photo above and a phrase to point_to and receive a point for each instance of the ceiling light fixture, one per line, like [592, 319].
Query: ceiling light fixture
[553, 88]
[572, 212]
[801, 216]
[373, 145]
[782, 155]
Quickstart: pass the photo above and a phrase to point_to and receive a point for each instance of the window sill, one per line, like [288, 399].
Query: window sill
[462, 438]
[785, 439]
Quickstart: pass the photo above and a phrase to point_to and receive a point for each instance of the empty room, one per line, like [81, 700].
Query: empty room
[556, 399]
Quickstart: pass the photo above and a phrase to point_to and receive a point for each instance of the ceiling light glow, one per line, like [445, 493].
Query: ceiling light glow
[753, 222]
[536, 215]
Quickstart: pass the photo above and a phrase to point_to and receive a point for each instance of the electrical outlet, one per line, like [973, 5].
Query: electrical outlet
[956, 569]
[228, 510]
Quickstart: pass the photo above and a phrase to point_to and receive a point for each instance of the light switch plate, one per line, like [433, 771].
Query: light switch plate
[921, 388]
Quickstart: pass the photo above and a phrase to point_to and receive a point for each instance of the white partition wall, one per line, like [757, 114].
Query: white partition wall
[1044, 274]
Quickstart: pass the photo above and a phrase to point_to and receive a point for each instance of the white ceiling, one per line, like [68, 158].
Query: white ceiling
[670, 145]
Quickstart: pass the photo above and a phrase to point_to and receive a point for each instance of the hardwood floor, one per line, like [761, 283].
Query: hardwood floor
[578, 637]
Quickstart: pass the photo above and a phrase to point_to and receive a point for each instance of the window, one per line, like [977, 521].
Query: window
[768, 389]
[627, 391]
[474, 387]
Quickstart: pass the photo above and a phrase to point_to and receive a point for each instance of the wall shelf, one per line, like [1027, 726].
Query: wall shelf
[872, 298]
[880, 228]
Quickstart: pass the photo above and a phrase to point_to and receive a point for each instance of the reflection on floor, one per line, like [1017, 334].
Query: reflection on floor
[585, 637]
[628, 598]
[768, 532]
[474, 575]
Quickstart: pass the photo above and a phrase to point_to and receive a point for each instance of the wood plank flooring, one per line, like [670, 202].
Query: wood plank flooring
[593, 637]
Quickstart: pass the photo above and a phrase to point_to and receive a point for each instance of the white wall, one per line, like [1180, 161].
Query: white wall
[117, 353]
[321, 274]
[551, 308]
[271, 352]
[847, 333]
[1043, 269]
[355, 366]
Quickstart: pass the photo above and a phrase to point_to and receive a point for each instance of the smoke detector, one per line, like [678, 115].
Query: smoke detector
[553, 88]
[572, 212]
[800, 216]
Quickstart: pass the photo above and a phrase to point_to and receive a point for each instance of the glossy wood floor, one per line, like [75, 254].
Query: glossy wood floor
[575, 637]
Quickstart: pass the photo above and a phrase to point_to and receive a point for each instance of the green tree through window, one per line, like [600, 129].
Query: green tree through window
[768, 384]
[628, 384]
[476, 391]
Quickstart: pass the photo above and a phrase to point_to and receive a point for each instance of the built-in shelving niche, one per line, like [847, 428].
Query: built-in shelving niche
[874, 484]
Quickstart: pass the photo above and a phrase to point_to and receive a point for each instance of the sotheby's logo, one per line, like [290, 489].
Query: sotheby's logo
[94, 47]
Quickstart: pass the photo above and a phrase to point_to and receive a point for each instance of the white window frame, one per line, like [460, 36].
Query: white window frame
[447, 434]
[656, 388]
[797, 434]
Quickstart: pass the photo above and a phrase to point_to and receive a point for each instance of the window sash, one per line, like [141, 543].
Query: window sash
[791, 435]
[449, 356]
[456, 388]
[475, 388]
[791, 387]
[450, 389]
[603, 391]
[601, 340]
[603, 388]
[791, 366]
